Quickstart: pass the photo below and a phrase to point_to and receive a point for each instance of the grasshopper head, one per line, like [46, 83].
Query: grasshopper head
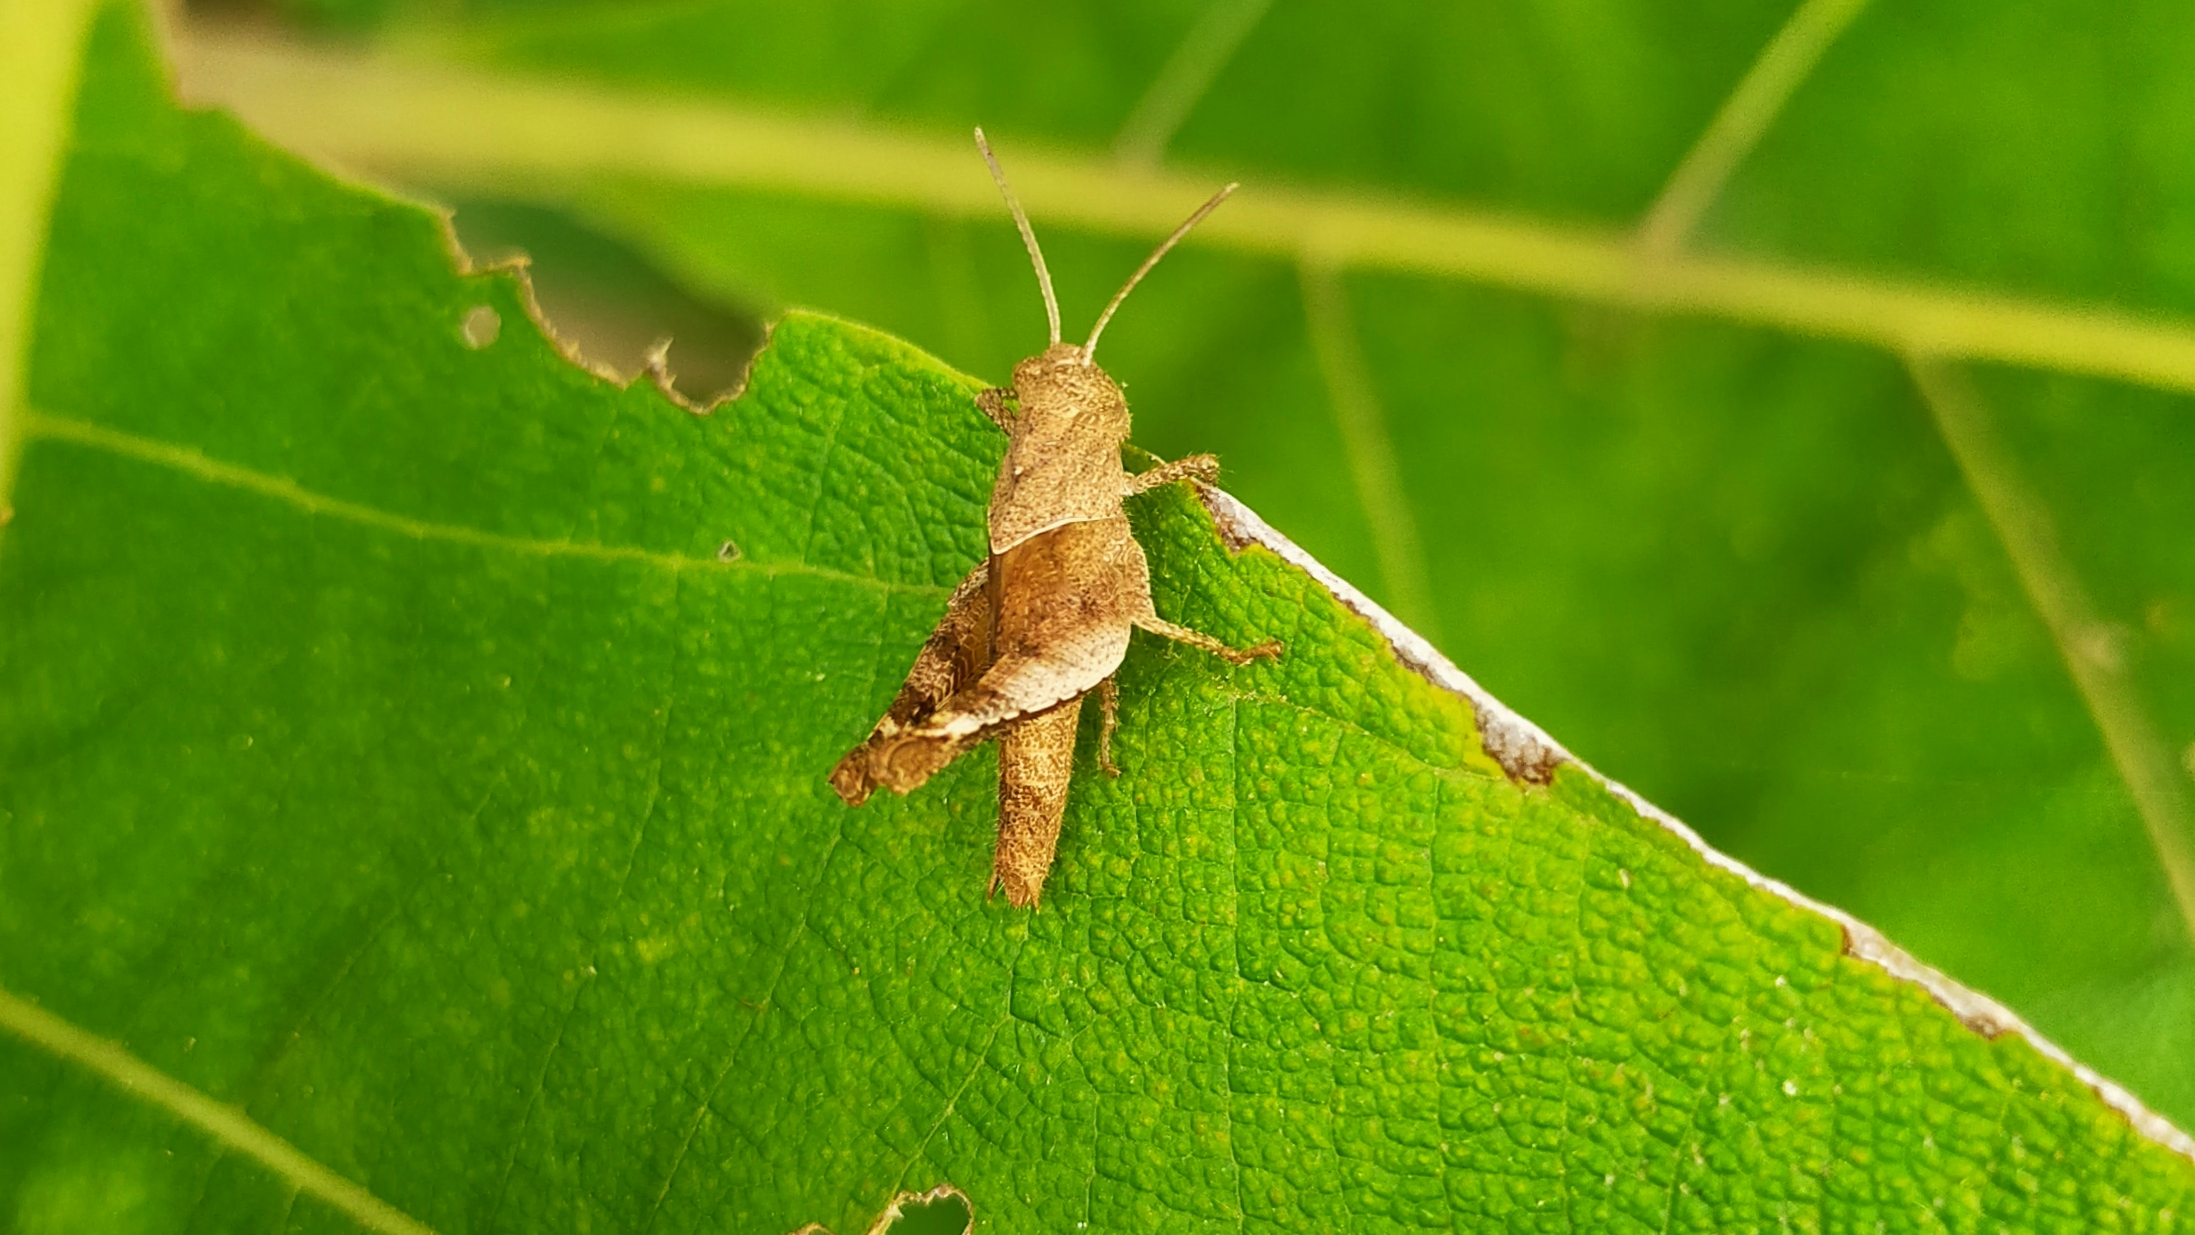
[1060, 390]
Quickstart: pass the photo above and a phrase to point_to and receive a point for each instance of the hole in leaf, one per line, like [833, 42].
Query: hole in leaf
[609, 301]
[482, 324]
[941, 1215]
[728, 552]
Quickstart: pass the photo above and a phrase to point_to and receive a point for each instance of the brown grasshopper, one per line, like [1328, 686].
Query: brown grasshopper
[1045, 620]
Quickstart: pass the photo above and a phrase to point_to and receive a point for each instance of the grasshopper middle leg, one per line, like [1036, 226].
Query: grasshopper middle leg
[1198, 639]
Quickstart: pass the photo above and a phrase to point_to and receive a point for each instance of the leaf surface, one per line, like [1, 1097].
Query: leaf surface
[392, 752]
[1737, 566]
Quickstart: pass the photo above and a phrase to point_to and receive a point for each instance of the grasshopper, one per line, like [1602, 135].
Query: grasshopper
[1045, 619]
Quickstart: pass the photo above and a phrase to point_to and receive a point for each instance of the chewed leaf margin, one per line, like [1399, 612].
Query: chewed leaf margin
[897, 1209]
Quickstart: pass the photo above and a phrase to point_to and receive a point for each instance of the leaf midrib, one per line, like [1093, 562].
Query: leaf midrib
[193, 462]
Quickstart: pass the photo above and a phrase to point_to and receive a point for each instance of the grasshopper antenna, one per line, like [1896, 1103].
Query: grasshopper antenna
[1028, 237]
[1089, 350]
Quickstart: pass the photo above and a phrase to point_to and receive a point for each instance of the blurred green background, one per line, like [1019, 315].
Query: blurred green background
[1734, 566]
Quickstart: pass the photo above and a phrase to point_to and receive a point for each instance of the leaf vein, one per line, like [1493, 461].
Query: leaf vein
[226, 1124]
[594, 948]
[193, 462]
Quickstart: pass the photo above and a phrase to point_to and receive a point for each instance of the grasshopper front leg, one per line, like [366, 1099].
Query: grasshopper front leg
[996, 403]
[1202, 467]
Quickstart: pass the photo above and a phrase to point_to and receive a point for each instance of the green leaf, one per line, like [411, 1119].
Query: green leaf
[1734, 562]
[414, 815]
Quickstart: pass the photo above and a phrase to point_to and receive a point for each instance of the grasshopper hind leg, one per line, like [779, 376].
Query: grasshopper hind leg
[957, 652]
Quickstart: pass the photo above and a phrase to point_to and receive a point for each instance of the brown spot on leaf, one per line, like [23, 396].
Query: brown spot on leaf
[1522, 754]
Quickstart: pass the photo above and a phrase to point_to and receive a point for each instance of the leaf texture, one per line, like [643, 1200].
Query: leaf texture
[395, 751]
[1733, 562]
